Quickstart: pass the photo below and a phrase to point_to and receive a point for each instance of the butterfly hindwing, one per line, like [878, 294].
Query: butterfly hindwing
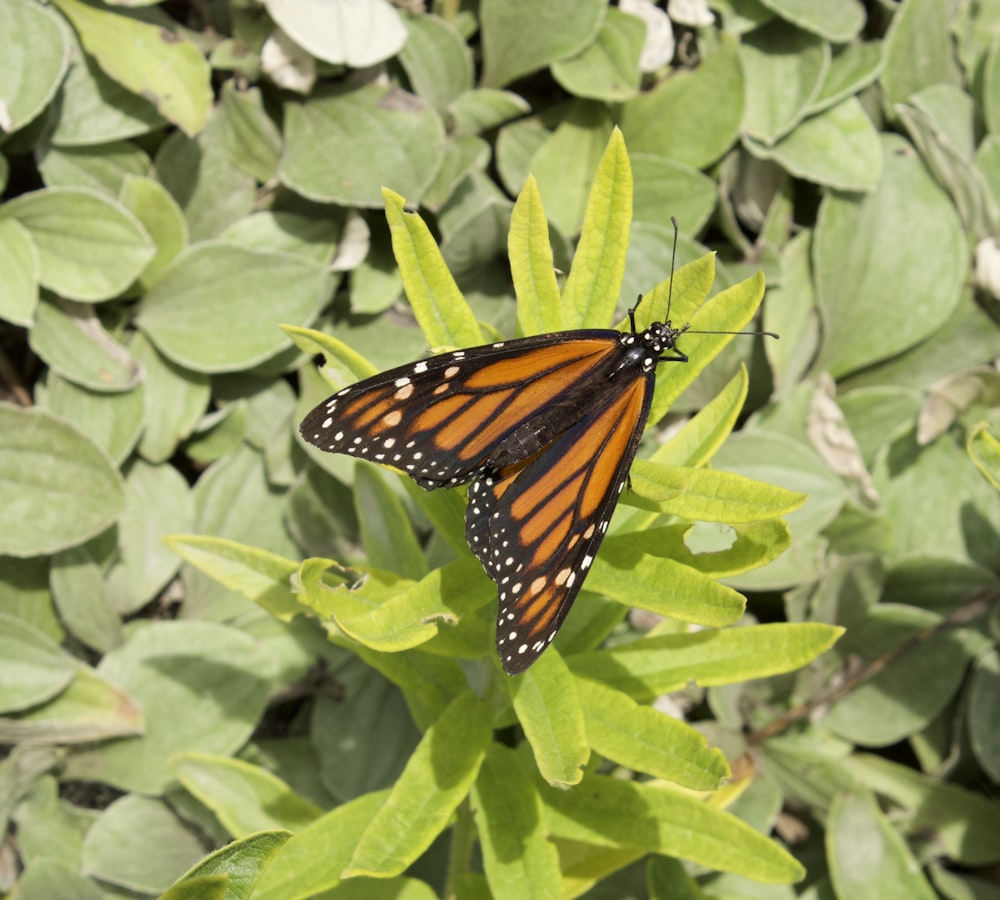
[536, 525]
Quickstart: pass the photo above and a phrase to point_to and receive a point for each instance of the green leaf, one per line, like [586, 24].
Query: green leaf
[442, 312]
[482, 109]
[566, 161]
[101, 168]
[313, 858]
[210, 189]
[112, 421]
[387, 535]
[412, 614]
[780, 460]
[71, 338]
[710, 495]
[465, 157]
[175, 399]
[664, 586]
[784, 69]
[747, 547]
[217, 306]
[665, 188]
[77, 583]
[729, 310]
[647, 740]
[151, 60]
[991, 88]
[89, 709]
[378, 135]
[244, 797]
[260, 576]
[43, 462]
[96, 109]
[156, 502]
[48, 877]
[965, 512]
[984, 451]
[919, 52]
[436, 779]
[594, 283]
[961, 821]
[791, 312]
[658, 664]
[33, 63]
[851, 70]
[608, 68]
[711, 95]
[837, 21]
[520, 36]
[436, 59]
[667, 877]
[445, 510]
[518, 858]
[940, 122]
[897, 702]
[342, 31]
[984, 730]
[868, 857]
[252, 139]
[90, 247]
[139, 844]
[546, 704]
[237, 867]
[201, 686]
[610, 812]
[838, 147]
[539, 310]
[702, 435]
[364, 735]
[32, 666]
[20, 273]
[429, 683]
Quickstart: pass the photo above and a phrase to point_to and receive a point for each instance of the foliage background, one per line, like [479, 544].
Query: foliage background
[180, 179]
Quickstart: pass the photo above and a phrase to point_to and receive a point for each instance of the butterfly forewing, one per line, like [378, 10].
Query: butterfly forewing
[446, 419]
[536, 525]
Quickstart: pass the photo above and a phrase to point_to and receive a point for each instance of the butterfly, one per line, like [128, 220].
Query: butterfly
[543, 429]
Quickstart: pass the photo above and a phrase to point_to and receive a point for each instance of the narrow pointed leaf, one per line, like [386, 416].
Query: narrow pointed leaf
[547, 707]
[436, 779]
[437, 303]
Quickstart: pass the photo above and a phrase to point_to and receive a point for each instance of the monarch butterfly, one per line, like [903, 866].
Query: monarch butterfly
[543, 428]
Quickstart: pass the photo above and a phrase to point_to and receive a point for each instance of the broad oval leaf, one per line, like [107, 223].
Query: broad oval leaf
[218, 306]
[202, 686]
[521, 36]
[140, 844]
[159, 64]
[711, 95]
[835, 20]
[89, 246]
[358, 33]
[33, 62]
[56, 488]
[342, 148]
[32, 666]
[857, 254]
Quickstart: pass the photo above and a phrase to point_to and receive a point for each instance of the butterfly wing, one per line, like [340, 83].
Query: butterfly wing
[450, 418]
[536, 525]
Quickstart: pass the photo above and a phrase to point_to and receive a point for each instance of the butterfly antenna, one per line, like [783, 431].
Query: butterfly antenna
[673, 263]
[762, 333]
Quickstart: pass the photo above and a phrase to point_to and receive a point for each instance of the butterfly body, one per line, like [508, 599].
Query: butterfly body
[544, 429]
